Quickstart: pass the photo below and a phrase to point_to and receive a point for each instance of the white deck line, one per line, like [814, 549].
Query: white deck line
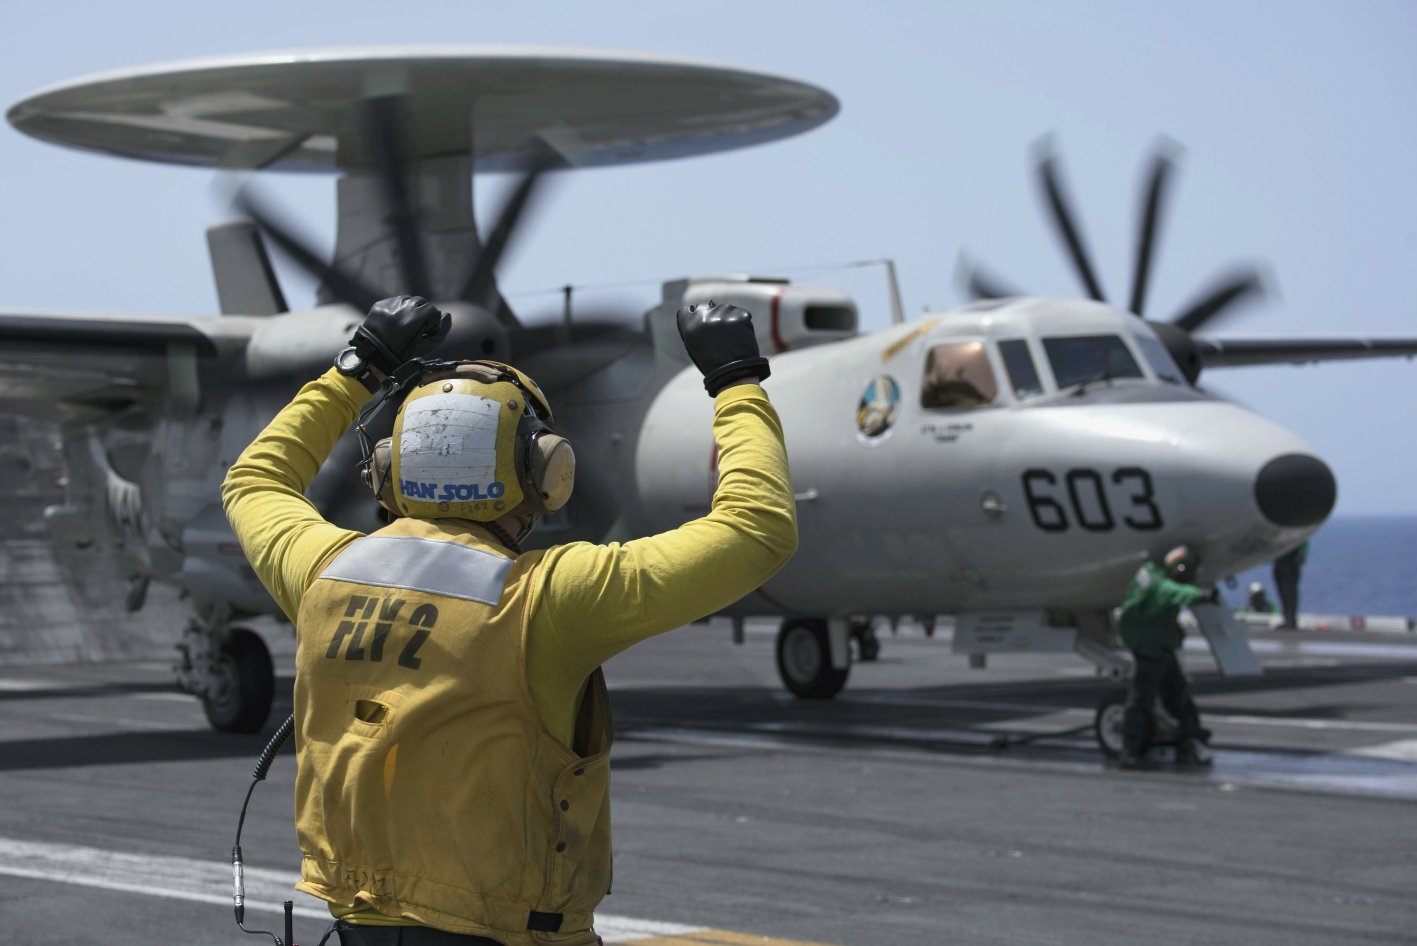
[209, 881]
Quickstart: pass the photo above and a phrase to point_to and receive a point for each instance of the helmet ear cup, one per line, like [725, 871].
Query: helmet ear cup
[552, 467]
[378, 475]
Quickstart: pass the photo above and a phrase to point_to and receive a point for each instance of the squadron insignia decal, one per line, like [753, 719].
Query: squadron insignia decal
[879, 406]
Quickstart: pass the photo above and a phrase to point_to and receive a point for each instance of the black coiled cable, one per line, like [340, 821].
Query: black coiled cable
[238, 873]
[268, 754]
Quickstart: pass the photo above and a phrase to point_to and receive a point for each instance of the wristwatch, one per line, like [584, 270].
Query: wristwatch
[352, 365]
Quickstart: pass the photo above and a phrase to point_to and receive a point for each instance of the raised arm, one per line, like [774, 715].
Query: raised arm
[596, 600]
[282, 533]
[285, 538]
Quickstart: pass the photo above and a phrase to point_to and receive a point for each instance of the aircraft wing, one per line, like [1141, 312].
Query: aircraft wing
[1232, 352]
[87, 365]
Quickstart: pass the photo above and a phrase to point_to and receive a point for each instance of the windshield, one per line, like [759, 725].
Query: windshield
[1079, 358]
[1018, 363]
[1159, 358]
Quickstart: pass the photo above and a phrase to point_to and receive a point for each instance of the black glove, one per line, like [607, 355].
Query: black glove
[397, 329]
[721, 341]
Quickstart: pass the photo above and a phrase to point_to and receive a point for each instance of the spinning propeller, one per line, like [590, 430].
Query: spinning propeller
[382, 130]
[483, 323]
[1224, 292]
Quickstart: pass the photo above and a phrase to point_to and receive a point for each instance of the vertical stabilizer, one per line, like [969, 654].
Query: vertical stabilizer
[245, 281]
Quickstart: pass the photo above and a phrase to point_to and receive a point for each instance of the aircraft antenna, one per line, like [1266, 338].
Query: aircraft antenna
[897, 312]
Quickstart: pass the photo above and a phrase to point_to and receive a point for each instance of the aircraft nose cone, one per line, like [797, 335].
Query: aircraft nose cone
[1295, 490]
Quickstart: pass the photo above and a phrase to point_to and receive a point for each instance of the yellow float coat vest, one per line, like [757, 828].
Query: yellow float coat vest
[428, 787]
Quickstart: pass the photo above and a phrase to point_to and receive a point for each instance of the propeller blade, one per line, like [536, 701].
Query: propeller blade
[978, 283]
[1063, 219]
[1227, 292]
[1161, 168]
[382, 124]
[480, 279]
[345, 287]
[1239, 352]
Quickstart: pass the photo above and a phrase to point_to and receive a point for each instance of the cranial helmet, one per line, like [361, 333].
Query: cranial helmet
[1181, 564]
[472, 440]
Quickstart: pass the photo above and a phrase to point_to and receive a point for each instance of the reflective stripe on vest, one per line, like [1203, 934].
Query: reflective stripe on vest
[440, 568]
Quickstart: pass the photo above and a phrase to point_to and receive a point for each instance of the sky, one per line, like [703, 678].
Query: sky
[1296, 121]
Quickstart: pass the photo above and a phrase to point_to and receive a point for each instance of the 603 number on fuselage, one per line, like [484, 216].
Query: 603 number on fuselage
[1085, 492]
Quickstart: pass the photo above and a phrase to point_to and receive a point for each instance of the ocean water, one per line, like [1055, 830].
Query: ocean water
[1357, 565]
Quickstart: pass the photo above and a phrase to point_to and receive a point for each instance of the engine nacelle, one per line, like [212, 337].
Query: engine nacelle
[298, 346]
[786, 317]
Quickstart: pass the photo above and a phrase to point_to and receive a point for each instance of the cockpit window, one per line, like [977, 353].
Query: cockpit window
[958, 375]
[1018, 362]
[1160, 359]
[1079, 358]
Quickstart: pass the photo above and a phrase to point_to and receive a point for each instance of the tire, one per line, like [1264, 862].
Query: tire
[804, 660]
[245, 686]
[1107, 723]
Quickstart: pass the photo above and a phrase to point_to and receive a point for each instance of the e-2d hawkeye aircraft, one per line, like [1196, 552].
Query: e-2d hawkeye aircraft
[1011, 462]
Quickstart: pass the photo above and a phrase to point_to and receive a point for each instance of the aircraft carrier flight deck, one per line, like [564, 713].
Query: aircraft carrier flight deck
[886, 816]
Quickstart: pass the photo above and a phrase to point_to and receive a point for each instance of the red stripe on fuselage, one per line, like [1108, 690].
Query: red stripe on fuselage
[776, 335]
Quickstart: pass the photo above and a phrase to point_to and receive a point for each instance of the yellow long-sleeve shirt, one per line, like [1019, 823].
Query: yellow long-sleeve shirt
[593, 601]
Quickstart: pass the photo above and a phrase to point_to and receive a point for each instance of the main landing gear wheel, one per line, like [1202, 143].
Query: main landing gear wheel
[804, 660]
[243, 686]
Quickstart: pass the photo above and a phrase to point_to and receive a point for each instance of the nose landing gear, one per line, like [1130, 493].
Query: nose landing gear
[1106, 727]
[1107, 724]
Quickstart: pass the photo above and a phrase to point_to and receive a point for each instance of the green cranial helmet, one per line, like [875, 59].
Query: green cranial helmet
[1181, 564]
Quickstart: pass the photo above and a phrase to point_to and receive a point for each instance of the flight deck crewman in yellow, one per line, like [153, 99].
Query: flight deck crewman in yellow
[452, 724]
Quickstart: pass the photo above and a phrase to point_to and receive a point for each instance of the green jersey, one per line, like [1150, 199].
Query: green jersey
[1148, 624]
